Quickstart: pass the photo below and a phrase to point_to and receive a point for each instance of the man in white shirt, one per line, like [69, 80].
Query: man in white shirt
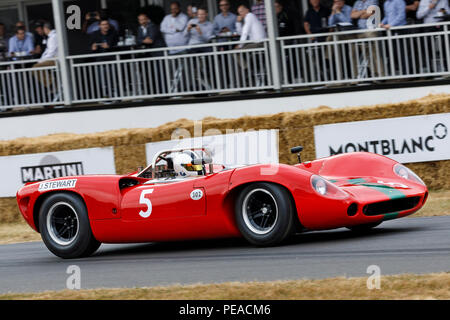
[173, 26]
[429, 10]
[249, 27]
[52, 44]
[47, 57]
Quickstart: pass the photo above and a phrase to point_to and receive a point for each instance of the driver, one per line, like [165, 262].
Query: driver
[182, 164]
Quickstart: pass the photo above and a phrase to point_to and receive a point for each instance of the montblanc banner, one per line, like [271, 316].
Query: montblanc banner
[407, 139]
[15, 171]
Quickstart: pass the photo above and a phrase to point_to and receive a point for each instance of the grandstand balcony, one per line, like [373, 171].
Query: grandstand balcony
[277, 64]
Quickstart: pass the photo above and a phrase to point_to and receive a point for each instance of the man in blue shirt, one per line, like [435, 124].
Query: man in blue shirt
[394, 14]
[21, 43]
[360, 13]
[225, 21]
[340, 13]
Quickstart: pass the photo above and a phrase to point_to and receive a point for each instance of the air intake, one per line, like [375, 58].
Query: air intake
[390, 206]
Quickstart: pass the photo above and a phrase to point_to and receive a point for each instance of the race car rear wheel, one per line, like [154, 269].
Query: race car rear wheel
[65, 227]
[264, 214]
[364, 227]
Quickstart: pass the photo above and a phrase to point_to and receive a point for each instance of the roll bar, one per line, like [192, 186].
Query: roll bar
[162, 154]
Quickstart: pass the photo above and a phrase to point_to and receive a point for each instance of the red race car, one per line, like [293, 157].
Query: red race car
[182, 195]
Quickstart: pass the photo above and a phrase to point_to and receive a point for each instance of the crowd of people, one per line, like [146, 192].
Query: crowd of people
[193, 27]
[249, 23]
[181, 32]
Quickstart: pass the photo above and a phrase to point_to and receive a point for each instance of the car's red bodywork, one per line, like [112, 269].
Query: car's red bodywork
[114, 213]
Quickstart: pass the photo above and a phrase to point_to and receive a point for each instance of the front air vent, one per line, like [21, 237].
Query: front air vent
[390, 206]
[126, 183]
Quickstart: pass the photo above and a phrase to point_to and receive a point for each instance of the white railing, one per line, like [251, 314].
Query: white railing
[201, 69]
[22, 85]
[366, 55]
[417, 51]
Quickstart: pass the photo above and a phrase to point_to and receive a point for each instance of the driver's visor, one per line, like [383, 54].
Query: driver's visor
[193, 167]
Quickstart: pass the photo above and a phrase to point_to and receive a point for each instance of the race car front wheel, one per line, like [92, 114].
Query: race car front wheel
[264, 214]
[65, 228]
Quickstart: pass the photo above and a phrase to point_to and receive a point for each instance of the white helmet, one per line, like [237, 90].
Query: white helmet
[182, 164]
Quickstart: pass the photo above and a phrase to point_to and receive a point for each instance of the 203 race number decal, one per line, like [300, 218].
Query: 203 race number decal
[146, 201]
[197, 194]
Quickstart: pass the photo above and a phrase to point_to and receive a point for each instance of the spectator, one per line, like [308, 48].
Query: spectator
[3, 41]
[21, 43]
[173, 26]
[340, 13]
[285, 25]
[252, 29]
[93, 19]
[411, 11]
[259, 10]
[40, 39]
[316, 18]
[191, 11]
[429, 10]
[105, 38]
[102, 41]
[21, 24]
[199, 30]
[394, 14]
[51, 52]
[360, 13]
[148, 33]
[225, 21]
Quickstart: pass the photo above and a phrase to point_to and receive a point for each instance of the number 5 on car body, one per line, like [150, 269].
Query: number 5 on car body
[146, 201]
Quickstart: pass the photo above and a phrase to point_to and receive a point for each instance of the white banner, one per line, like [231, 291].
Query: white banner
[15, 171]
[242, 148]
[408, 139]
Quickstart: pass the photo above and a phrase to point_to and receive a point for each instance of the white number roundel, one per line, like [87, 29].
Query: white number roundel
[197, 194]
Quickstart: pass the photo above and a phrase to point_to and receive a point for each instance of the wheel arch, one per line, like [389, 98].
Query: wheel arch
[233, 193]
[40, 200]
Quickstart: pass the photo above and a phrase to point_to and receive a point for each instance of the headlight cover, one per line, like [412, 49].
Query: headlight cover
[326, 189]
[408, 174]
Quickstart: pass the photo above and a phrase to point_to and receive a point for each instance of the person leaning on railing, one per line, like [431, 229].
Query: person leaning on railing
[225, 21]
[148, 34]
[316, 19]
[250, 28]
[395, 15]
[199, 31]
[430, 10]
[340, 13]
[104, 39]
[47, 58]
[361, 13]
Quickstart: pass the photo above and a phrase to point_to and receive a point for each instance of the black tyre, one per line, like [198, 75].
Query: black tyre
[265, 214]
[65, 227]
[364, 227]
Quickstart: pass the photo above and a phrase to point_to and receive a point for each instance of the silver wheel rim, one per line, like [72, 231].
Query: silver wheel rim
[260, 211]
[62, 223]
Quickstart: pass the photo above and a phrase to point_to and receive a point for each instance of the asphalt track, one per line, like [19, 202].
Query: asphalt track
[410, 245]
